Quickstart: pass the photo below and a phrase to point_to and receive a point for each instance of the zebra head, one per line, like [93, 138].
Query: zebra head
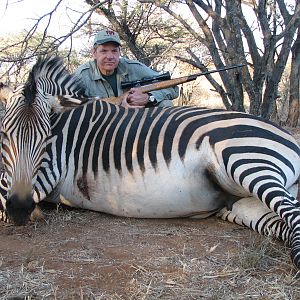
[26, 127]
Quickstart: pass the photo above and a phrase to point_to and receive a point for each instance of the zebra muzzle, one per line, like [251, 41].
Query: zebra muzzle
[19, 210]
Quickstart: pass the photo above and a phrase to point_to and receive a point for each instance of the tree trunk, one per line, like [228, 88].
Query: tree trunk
[293, 114]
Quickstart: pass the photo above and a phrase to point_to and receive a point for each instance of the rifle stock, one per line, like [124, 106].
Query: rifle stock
[166, 84]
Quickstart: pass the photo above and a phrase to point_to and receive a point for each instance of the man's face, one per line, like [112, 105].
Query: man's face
[107, 57]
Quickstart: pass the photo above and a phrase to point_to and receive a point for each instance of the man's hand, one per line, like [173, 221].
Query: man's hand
[125, 103]
[136, 98]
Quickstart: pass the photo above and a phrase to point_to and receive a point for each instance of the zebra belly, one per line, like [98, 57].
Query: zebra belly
[180, 189]
[163, 201]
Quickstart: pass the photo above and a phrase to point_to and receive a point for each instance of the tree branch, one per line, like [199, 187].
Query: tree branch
[80, 22]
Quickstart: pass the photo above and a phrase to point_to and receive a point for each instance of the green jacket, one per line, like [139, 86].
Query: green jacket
[128, 70]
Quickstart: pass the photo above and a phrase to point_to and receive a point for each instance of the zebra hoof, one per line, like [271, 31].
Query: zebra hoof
[36, 215]
[295, 251]
[3, 216]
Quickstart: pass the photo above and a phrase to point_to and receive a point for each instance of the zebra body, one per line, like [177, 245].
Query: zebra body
[124, 181]
[147, 163]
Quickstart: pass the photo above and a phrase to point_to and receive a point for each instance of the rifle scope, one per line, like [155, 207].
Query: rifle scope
[145, 81]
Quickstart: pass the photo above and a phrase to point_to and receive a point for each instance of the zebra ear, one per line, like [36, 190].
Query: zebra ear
[64, 103]
[72, 101]
[5, 93]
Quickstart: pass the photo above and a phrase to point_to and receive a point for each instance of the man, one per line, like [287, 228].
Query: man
[103, 75]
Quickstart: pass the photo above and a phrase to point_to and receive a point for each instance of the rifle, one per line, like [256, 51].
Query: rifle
[126, 85]
[158, 85]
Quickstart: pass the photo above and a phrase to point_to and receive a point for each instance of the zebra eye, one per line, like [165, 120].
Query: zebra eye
[3, 136]
[4, 139]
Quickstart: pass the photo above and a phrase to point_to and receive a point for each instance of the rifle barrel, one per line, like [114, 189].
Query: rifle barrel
[219, 70]
[176, 81]
[166, 84]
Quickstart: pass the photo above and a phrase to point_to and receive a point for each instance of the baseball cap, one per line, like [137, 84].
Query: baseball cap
[105, 36]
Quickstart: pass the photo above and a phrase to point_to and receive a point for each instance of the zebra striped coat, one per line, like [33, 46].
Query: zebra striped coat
[145, 163]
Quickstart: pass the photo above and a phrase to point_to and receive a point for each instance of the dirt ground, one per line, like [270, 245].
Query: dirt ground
[77, 254]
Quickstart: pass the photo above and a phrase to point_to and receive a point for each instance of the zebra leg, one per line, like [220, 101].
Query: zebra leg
[252, 213]
[3, 191]
[278, 199]
[257, 176]
[3, 214]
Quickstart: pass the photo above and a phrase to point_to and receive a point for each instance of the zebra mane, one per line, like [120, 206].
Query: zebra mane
[50, 76]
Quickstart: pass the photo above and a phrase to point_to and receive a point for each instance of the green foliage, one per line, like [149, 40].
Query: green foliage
[18, 53]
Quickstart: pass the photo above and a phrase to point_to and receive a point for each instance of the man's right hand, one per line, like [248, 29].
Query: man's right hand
[137, 98]
[125, 103]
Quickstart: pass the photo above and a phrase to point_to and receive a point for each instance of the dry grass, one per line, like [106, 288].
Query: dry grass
[249, 274]
[233, 263]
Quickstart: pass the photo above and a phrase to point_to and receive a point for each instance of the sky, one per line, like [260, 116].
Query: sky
[17, 15]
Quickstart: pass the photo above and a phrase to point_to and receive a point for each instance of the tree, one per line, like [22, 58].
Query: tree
[149, 36]
[293, 114]
[17, 52]
[222, 26]
[13, 70]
